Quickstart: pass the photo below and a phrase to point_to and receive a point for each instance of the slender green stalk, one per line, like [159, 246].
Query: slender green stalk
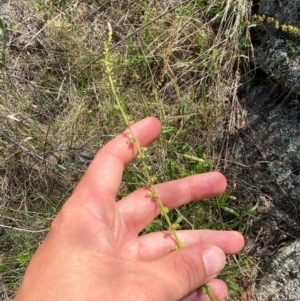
[149, 179]
[206, 289]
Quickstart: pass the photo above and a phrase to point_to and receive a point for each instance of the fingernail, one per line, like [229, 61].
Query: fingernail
[214, 261]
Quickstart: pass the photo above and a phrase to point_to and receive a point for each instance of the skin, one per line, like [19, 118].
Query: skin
[93, 251]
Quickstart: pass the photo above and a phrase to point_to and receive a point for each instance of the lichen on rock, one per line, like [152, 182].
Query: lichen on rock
[278, 56]
[283, 277]
[285, 11]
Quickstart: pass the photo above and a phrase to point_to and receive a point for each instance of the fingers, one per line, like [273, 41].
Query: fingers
[138, 210]
[184, 271]
[158, 244]
[218, 289]
[102, 180]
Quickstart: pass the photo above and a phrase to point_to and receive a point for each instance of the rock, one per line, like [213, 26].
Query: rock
[278, 56]
[285, 11]
[277, 53]
[282, 279]
[266, 169]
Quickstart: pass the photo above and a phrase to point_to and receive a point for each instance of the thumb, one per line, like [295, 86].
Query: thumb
[186, 269]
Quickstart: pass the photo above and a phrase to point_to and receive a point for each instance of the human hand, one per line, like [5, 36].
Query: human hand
[93, 251]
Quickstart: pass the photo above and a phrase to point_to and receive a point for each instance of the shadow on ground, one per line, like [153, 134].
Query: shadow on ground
[264, 162]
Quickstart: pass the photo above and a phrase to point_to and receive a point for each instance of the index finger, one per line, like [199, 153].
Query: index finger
[102, 179]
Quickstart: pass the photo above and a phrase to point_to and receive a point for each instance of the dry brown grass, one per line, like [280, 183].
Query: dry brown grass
[176, 62]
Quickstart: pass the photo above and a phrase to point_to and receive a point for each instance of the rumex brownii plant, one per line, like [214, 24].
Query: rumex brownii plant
[148, 178]
[287, 28]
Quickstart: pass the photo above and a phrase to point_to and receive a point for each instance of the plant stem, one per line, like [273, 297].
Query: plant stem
[149, 179]
[206, 289]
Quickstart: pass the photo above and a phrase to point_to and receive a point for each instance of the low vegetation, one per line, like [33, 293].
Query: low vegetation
[176, 60]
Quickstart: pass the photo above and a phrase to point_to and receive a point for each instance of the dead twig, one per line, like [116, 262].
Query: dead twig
[23, 230]
[29, 152]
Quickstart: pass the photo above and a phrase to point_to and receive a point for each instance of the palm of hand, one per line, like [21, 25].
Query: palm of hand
[94, 252]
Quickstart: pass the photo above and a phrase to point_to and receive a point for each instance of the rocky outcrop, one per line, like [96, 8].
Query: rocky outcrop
[266, 167]
[277, 52]
[283, 277]
[285, 11]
